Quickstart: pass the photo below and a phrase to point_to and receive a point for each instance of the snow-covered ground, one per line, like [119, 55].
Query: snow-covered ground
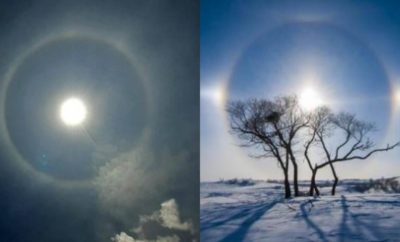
[258, 212]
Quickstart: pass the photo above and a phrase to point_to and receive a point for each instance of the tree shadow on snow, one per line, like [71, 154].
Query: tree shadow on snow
[362, 231]
[351, 227]
[254, 214]
[238, 213]
[310, 223]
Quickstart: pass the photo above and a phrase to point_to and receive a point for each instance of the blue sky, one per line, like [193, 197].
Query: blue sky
[138, 147]
[345, 51]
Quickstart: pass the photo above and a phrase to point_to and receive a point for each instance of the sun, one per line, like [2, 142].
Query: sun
[309, 99]
[73, 111]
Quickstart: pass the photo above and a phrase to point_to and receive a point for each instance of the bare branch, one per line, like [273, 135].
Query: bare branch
[389, 147]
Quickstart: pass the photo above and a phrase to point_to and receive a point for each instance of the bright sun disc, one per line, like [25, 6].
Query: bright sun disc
[72, 111]
[309, 99]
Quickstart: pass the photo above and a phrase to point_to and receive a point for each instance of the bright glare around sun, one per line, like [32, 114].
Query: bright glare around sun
[397, 98]
[73, 111]
[309, 99]
[215, 94]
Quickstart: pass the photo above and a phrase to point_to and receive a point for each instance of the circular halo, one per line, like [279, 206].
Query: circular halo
[13, 152]
[227, 82]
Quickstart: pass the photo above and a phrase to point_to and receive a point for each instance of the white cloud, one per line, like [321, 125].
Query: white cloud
[127, 182]
[138, 179]
[166, 217]
[123, 237]
[135, 182]
[170, 216]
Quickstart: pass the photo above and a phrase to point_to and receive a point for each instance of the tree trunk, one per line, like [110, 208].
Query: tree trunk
[335, 182]
[295, 180]
[295, 173]
[287, 185]
[334, 186]
[313, 185]
[316, 189]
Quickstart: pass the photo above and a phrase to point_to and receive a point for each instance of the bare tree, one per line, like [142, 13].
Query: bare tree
[319, 125]
[355, 143]
[292, 121]
[272, 126]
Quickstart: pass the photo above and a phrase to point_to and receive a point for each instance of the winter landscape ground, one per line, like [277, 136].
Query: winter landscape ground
[246, 210]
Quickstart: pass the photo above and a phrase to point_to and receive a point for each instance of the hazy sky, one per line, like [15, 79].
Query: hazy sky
[346, 52]
[135, 66]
